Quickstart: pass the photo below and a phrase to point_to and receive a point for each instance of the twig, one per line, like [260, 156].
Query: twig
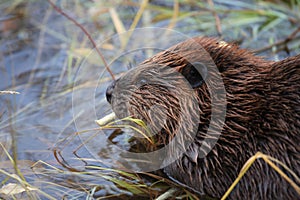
[281, 42]
[217, 19]
[60, 11]
[167, 194]
[63, 162]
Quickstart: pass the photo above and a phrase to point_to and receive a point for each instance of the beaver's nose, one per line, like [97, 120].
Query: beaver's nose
[109, 91]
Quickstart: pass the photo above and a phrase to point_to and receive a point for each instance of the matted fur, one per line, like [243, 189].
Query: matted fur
[263, 114]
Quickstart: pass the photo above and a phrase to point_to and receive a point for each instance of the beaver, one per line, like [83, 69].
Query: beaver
[262, 113]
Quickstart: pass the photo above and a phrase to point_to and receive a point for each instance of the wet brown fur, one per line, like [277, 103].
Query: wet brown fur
[263, 114]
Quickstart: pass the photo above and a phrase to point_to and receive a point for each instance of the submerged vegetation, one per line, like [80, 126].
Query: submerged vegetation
[42, 151]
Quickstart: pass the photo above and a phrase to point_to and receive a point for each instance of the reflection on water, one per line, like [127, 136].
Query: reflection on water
[35, 122]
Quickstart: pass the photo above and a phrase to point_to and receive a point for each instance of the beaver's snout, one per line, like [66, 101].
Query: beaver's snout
[109, 91]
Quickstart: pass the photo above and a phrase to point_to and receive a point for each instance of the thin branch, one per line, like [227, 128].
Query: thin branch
[291, 37]
[217, 19]
[60, 11]
[57, 154]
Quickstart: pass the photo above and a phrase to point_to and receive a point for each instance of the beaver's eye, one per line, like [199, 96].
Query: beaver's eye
[195, 73]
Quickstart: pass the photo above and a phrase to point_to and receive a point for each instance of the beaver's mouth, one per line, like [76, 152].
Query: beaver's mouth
[152, 104]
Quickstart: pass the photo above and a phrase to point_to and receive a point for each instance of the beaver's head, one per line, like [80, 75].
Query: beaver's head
[162, 91]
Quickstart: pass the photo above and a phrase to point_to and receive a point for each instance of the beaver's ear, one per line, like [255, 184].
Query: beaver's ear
[195, 73]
